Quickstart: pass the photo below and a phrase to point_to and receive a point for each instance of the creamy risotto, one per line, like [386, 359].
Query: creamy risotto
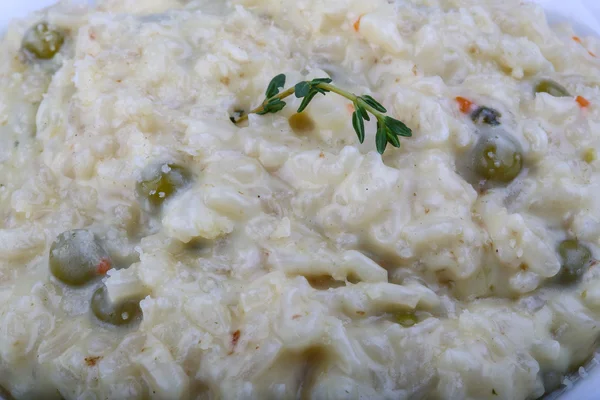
[151, 248]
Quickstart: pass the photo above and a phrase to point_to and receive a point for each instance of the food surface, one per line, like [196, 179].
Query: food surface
[151, 248]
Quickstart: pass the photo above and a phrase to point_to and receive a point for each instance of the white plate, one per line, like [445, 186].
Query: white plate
[584, 15]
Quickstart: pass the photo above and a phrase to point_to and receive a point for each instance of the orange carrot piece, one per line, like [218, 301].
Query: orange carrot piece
[582, 101]
[356, 24]
[464, 104]
[578, 40]
[103, 266]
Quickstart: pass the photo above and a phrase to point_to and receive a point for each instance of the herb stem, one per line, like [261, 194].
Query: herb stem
[388, 128]
[352, 97]
[290, 91]
[280, 96]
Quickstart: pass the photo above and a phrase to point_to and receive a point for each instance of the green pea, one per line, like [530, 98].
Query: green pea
[552, 88]
[406, 319]
[122, 313]
[160, 182]
[575, 257]
[43, 40]
[486, 115]
[77, 257]
[497, 157]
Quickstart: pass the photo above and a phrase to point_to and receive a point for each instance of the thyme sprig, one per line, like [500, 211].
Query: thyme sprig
[388, 128]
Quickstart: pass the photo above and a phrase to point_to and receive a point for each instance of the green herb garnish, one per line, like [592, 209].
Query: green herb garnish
[388, 128]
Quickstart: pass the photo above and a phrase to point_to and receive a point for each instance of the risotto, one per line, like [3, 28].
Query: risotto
[152, 249]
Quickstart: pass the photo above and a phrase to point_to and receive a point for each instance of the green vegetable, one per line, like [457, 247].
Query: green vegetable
[77, 257]
[388, 128]
[406, 319]
[160, 182]
[497, 157]
[274, 85]
[486, 115]
[576, 257]
[43, 41]
[119, 314]
[552, 88]
[359, 126]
